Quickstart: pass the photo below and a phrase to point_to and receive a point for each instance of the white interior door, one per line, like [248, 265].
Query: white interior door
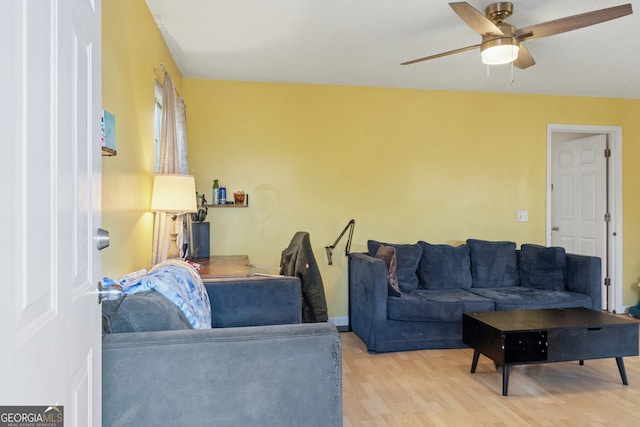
[50, 170]
[578, 195]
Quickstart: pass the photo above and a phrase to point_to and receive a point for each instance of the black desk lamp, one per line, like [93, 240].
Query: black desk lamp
[351, 225]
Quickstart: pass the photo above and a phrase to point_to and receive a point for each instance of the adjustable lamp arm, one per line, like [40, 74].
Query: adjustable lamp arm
[350, 225]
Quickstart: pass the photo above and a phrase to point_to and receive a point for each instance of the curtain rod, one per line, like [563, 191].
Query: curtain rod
[161, 82]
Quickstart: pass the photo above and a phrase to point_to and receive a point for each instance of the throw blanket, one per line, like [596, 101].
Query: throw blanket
[180, 283]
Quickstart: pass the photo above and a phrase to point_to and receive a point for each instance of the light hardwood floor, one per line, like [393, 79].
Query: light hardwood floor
[435, 388]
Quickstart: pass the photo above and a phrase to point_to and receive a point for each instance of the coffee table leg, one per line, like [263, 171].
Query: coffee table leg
[623, 373]
[505, 379]
[474, 363]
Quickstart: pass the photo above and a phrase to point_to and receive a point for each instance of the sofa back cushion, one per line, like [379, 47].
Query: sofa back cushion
[543, 267]
[255, 301]
[444, 267]
[493, 264]
[142, 312]
[407, 260]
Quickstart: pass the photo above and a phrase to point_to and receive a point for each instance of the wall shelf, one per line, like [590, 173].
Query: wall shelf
[231, 205]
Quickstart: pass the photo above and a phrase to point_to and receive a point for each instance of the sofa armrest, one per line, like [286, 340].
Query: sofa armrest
[281, 375]
[255, 301]
[368, 288]
[584, 275]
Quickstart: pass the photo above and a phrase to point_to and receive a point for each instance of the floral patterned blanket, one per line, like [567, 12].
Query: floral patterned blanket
[180, 283]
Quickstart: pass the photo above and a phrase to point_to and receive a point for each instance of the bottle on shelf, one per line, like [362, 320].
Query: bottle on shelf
[216, 192]
[222, 194]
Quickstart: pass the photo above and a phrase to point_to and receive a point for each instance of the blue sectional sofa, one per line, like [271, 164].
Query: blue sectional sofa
[256, 366]
[412, 296]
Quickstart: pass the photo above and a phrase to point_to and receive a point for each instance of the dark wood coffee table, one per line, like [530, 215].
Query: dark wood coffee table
[549, 335]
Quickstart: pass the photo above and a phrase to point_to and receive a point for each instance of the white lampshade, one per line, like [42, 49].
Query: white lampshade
[174, 193]
[500, 54]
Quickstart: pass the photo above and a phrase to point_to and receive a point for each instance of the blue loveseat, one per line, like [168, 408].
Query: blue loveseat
[257, 365]
[421, 305]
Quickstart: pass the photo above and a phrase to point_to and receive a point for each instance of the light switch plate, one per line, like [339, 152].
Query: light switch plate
[523, 216]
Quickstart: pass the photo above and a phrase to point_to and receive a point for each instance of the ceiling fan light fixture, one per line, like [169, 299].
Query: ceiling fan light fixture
[496, 51]
[501, 40]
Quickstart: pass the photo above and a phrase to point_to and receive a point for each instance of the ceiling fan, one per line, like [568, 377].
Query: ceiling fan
[502, 42]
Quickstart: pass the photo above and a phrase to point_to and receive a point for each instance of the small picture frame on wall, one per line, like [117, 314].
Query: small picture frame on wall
[108, 134]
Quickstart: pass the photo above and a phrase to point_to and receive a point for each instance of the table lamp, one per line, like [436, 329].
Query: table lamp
[174, 195]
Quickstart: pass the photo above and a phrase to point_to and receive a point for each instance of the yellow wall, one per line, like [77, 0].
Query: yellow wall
[405, 164]
[132, 48]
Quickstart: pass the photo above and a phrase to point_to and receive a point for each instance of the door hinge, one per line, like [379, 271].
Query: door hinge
[607, 281]
[607, 152]
[607, 217]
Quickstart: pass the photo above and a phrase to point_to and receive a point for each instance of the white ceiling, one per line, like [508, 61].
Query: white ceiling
[362, 43]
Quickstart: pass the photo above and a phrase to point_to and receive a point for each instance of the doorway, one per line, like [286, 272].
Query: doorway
[584, 199]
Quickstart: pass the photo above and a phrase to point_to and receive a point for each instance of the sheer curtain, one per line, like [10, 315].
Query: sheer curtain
[181, 133]
[173, 160]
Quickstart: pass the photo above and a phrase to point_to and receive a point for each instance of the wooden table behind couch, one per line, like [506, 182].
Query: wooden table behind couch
[224, 267]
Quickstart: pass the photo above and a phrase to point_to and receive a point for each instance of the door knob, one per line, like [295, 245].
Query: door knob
[103, 239]
[111, 292]
[555, 228]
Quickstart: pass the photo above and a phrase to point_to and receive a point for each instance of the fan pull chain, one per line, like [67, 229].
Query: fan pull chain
[513, 80]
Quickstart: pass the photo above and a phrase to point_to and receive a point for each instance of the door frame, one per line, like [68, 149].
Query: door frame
[614, 135]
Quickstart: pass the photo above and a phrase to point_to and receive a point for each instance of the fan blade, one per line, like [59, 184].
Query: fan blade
[524, 59]
[574, 22]
[439, 55]
[475, 19]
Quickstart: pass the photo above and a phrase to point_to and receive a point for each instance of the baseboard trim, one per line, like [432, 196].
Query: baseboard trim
[342, 323]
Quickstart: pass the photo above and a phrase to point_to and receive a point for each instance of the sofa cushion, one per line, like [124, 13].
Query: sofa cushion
[493, 264]
[523, 298]
[543, 267]
[436, 305]
[388, 255]
[407, 260]
[255, 301]
[444, 267]
[142, 312]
